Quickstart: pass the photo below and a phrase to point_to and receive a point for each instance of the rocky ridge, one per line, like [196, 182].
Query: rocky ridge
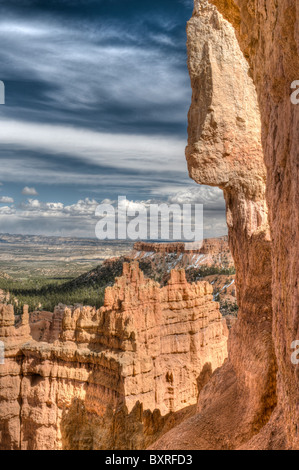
[212, 262]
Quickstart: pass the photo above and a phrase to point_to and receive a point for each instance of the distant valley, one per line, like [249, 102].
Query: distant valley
[31, 256]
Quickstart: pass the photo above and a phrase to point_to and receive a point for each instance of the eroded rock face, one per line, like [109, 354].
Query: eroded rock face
[4, 296]
[209, 246]
[46, 326]
[268, 33]
[252, 401]
[117, 376]
[211, 252]
[11, 375]
[225, 150]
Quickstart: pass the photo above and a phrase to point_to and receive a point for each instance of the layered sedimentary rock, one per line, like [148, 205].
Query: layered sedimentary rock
[116, 377]
[252, 401]
[209, 246]
[158, 259]
[46, 326]
[11, 375]
[212, 262]
[224, 149]
[268, 34]
[212, 252]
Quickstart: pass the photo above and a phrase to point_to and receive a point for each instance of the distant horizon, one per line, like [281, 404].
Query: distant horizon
[132, 242]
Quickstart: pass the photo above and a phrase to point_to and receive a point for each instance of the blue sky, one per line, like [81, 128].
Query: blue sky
[97, 96]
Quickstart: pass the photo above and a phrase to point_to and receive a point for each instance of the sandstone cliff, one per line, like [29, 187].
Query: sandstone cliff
[268, 34]
[210, 246]
[116, 378]
[213, 252]
[4, 296]
[243, 137]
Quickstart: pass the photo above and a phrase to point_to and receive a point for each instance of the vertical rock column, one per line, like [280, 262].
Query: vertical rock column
[224, 150]
[11, 376]
[268, 34]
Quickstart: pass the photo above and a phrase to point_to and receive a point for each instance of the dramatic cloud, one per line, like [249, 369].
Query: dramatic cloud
[97, 95]
[116, 150]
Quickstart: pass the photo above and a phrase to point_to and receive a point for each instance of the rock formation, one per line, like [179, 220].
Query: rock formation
[247, 144]
[209, 246]
[4, 296]
[212, 262]
[46, 326]
[159, 259]
[11, 375]
[268, 34]
[212, 252]
[117, 377]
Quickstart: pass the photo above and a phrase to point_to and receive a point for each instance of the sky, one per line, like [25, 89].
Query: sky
[96, 100]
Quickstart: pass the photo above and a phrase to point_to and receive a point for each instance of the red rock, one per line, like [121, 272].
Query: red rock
[243, 137]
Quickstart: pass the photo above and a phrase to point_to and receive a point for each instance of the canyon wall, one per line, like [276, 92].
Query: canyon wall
[10, 375]
[268, 34]
[117, 377]
[243, 138]
[212, 252]
[209, 246]
[4, 296]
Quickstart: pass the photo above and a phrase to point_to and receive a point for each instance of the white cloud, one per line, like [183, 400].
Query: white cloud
[78, 219]
[32, 204]
[34, 208]
[206, 195]
[29, 191]
[50, 218]
[125, 151]
[6, 210]
[6, 200]
[85, 68]
[85, 207]
[131, 206]
[108, 201]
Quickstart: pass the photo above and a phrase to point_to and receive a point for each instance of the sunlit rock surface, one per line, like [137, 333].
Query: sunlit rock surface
[116, 377]
[243, 137]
